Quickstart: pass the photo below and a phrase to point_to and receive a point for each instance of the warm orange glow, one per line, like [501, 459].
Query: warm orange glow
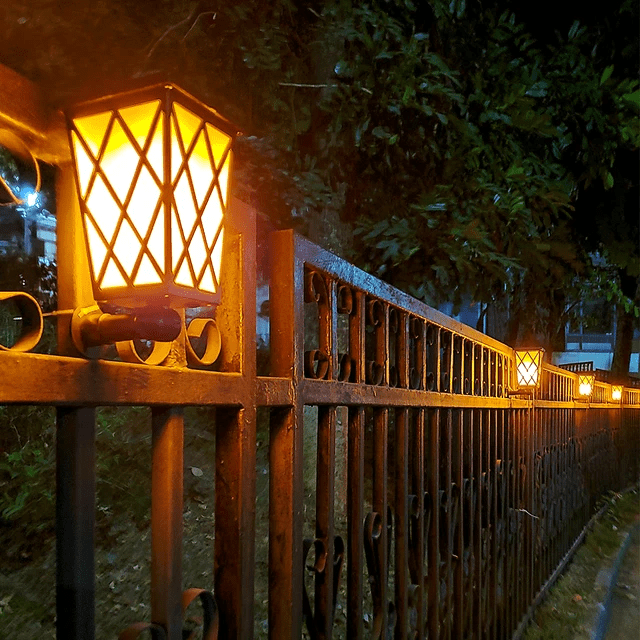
[616, 392]
[585, 384]
[145, 172]
[528, 363]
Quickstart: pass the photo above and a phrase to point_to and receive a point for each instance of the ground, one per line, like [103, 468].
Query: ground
[573, 607]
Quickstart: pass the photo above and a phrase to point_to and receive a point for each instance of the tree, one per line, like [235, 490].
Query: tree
[448, 137]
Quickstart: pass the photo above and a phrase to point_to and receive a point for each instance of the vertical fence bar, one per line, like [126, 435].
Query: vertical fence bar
[446, 506]
[166, 519]
[458, 551]
[478, 618]
[75, 437]
[402, 579]
[355, 522]
[286, 461]
[324, 594]
[380, 506]
[355, 475]
[433, 545]
[286, 493]
[235, 475]
[503, 510]
[401, 498]
[235, 520]
[493, 508]
[418, 524]
[75, 517]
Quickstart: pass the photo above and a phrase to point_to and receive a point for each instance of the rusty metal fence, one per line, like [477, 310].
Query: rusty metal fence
[462, 495]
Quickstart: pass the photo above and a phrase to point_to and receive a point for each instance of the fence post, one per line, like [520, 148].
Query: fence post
[75, 440]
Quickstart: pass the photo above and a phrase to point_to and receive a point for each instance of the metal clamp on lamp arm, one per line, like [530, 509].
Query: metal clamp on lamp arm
[91, 327]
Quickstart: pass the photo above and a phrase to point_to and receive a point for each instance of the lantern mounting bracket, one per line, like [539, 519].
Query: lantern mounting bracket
[91, 327]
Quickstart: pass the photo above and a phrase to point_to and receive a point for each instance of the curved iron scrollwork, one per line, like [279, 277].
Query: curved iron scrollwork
[135, 630]
[432, 357]
[203, 339]
[315, 625]
[376, 318]
[31, 322]
[394, 342]
[209, 622]
[378, 572]
[416, 352]
[346, 306]
[317, 361]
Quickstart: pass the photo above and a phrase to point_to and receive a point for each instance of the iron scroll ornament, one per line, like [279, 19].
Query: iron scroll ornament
[203, 339]
[316, 361]
[378, 572]
[31, 319]
[316, 627]
[210, 621]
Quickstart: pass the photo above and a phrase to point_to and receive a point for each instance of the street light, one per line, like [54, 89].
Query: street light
[528, 367]
[152, 174]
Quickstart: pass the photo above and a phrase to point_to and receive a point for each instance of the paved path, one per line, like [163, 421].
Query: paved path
[625, 605]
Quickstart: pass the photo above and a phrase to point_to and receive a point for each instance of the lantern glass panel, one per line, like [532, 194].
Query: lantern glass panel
[585, 385]
[528, 367]
[153, 180]
[616, 392]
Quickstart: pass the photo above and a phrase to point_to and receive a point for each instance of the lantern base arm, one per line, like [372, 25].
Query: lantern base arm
[91, 327]
[521, 391]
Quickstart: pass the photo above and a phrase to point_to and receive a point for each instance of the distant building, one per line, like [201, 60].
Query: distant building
[29, 230]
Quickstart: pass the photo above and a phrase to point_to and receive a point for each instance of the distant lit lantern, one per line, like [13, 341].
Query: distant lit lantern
[585, 384]
[152, 171]
[528, 366]
[616, 392]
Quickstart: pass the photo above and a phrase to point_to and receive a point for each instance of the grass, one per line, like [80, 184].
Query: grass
[571, 608]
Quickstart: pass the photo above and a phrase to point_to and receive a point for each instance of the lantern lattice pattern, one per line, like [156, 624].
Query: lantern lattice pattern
[528, 363]
[585, 384]
[616, 392]
[153, 180]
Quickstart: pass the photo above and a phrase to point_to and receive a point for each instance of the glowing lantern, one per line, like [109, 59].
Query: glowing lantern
[528, 365]
[152, 172]
[585, 384]
[616, 392]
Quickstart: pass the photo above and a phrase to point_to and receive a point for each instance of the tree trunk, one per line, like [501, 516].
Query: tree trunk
[624, 328]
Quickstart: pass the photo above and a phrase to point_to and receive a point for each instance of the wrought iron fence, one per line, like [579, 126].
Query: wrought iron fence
[462, 494]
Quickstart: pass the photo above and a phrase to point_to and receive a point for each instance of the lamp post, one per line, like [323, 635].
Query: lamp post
[152, 173]
[528, 368]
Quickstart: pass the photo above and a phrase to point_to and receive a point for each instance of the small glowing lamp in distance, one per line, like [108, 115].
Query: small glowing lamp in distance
[585, 384]
[616, 392]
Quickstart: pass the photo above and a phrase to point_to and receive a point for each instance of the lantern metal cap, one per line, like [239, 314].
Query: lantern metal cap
[137, 91]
